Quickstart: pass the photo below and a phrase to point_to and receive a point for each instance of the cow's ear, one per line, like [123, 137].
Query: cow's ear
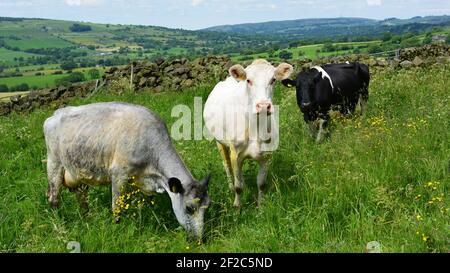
[283, 71]
[175, 185]
[288, 83]
[238, 72]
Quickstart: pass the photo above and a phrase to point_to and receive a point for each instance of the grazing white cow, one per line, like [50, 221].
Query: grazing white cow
[234, 109]
[109, 143]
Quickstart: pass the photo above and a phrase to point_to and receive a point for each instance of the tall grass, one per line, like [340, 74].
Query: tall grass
[382, 177]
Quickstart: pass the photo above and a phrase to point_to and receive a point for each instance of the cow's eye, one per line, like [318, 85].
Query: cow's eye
[249, 82]
[272, 82]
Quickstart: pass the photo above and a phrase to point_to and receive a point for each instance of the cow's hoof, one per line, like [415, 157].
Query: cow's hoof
[117, 219]
[260, 201]
[54, 204]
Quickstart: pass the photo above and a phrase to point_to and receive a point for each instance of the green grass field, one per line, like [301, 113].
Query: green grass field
[383, 177]
[44, 81]
[310, 51]
[38, 81]
[7, 56]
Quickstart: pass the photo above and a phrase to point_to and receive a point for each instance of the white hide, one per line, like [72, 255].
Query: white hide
[325, 75]
[232, 105]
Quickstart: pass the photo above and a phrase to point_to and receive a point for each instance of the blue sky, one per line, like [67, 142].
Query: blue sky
[196, 14]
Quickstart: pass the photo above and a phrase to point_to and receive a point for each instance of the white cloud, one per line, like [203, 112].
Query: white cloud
[374, 2]
[195, 3]
[84, 2]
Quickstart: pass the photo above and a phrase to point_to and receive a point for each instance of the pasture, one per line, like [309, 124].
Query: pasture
[8, 57]
[43, 81]
[311, 51]
[383, 177]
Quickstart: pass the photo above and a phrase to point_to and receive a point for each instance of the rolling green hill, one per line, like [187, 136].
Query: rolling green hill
[333, 27]
[34, 45]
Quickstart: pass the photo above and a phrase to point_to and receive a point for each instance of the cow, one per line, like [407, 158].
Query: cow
[118, 143]
[327, 87]
[232, 111]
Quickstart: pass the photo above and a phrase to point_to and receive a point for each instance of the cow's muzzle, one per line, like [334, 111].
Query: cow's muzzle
[306, 106]
[264, 107]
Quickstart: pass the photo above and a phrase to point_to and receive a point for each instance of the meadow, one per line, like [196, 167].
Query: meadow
[312, 52]
[382, 177]
[44, 81]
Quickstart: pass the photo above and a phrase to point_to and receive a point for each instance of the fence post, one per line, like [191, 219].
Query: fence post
[397, 54]
[131, 77]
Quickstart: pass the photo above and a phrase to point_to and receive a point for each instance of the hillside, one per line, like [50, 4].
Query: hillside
[25, 34]
[332, 27]
[40, 53]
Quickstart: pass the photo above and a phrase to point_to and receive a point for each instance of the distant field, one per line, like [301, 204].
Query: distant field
[309, 51]
[37, 41]
[37, 81]
[33, 68]
[7, 56]
[44, 81]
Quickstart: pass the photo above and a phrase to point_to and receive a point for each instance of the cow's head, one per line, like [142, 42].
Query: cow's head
[305, 85]
[189, 203]
[260, 78]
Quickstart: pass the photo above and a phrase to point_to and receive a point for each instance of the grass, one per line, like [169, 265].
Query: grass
[383, 177]
[7, 56]
[43, 81]
[309, 51]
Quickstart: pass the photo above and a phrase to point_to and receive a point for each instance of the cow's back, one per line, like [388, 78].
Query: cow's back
[225, 111]
[348, 78]
[89, 139]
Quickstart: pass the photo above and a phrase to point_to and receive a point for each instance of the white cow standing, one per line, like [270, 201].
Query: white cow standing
[234, 108]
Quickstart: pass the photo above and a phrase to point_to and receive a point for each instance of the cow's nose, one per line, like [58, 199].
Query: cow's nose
[264, 107]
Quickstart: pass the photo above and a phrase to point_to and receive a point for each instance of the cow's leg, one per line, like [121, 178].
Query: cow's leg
[236, 165]
[312, 128]
[322, 123]
[261, 180]
[118, 181]
[55, 173]
[225, 153]
[363, 99]
[81, 193]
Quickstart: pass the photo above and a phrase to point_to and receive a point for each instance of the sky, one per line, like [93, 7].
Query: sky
[198, 14]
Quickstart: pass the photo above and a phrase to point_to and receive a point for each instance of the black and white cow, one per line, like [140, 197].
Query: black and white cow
[330, 86]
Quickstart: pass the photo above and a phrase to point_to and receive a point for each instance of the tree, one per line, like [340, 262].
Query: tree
[80, 28]
[94, 74]
[20, 87]
[285, 55]
[328, 47]
[4, 88]
[387, 36]
[374, 48]
[69, 65]
[428, 40]
[71, 78]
